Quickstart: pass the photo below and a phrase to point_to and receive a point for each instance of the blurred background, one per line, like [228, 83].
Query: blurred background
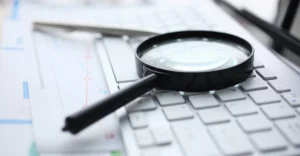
[273, 11]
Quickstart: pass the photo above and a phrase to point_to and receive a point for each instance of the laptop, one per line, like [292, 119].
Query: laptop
[257, 117]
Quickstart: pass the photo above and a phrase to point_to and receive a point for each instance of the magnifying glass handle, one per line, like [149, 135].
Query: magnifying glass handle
[82, 119]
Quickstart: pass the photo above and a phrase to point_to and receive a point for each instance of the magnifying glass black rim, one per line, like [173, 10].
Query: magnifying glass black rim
[168, 37]
[195, 81]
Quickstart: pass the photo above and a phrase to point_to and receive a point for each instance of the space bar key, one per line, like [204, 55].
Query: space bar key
[194, 139]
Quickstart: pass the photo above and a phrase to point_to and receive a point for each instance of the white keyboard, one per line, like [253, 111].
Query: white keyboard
[257, 117]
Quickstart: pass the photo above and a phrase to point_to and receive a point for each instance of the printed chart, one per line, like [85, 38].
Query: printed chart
[67, 77]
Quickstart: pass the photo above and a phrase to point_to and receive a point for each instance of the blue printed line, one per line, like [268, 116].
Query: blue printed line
[12, 48]
[15, 121]
[25, 90]
[14, 10]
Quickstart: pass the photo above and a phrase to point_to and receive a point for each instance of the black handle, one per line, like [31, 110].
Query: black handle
[82, 119]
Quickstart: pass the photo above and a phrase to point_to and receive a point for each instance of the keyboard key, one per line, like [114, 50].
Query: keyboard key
[257, 64]
[214, 115]
[141, 104]
[137, 120]
[143, 138]
[252, 84]
[266, 74]
[170, 98]
[162, 136]
[264, 96]
[291, 98]
[123, 85]
[178, 112]
[278, 111]
[230, 94]
[254, 123]
[291, 129]
[268, 141]
[203, 101]
[121, 56]
[242, 107]
[278, 87]
[231, 139]
[194, 139]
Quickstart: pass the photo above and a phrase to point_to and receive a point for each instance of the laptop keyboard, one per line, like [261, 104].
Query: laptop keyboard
[257, 117]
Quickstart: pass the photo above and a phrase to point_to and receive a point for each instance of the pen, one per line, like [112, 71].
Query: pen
[96, 28]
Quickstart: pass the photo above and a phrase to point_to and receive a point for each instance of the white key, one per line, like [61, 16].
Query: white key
[254, 123]
[268, 141]
[278, 110]
[291, 129]
[252, 84]
[264, 96]
[137, 120]
[203, 101]
[242, 107]
[178, 112]
[161, 135]
[121, 55]
[214, 115]
[291, 98]
[170, 98]
[143, 138]
[231, 139]
[141, 104]
[194, 138]
[230, 94]
[266, 74]
[123, 85]
[257, 64]
[278, 87]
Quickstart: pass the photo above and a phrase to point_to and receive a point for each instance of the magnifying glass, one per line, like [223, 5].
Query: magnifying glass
[191, 61]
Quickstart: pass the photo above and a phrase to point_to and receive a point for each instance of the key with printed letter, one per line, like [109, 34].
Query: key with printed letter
[214, 115]
[268, 141]
[141, 104]
[203, 101]
[178, 112]
[278, 110]
[254, 123]
[252, 84]
[241, 107]
[264, 96]
[231, 139]
[291, 129]
[194, 139]
[169, 98]
[230, 94]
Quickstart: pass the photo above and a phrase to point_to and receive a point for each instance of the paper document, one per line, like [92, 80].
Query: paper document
[66, 76]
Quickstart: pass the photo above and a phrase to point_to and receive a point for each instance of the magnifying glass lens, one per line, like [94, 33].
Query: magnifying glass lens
[195, 55]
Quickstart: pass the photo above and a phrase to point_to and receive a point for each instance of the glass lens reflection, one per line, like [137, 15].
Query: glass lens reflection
[195, 55]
